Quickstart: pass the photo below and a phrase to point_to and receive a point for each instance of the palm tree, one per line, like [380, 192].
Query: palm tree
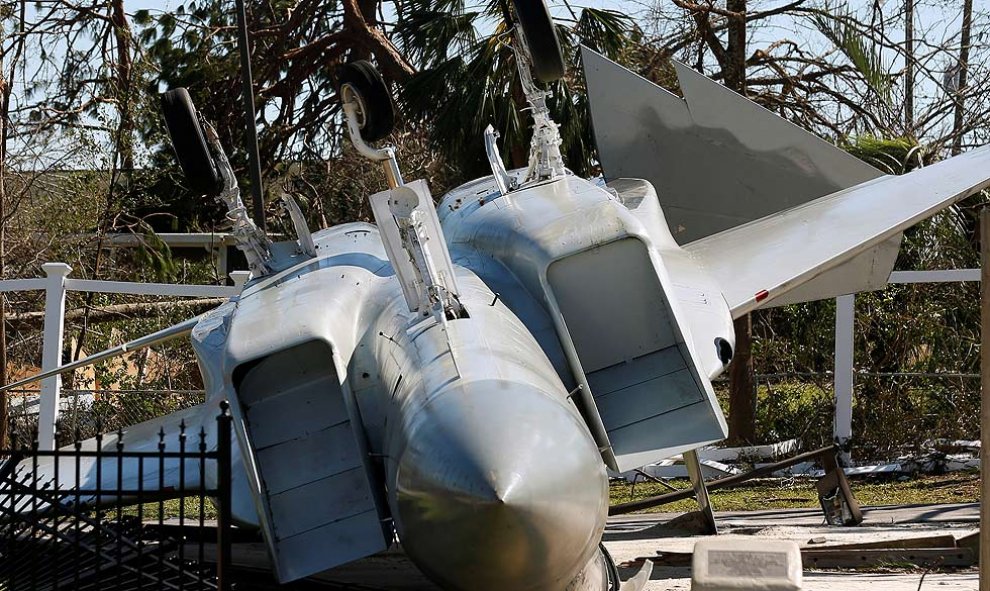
[466, 79]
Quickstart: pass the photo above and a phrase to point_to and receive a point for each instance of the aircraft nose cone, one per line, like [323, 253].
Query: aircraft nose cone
[500, 488]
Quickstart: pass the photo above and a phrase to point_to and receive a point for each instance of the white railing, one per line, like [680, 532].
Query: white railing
[845, 322]
[56, 284]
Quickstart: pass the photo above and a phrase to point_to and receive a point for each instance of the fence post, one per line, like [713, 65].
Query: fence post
[223, 497]
[845, 318]
[984, 544]
[51, 355]
[239, 278]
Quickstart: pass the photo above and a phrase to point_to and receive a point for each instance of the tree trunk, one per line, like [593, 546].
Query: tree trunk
[123, 160]
[392, 63]
[122, 70]
[742, 389]
[734, 70]
[909, 67]
[6, 88]
[959, 120]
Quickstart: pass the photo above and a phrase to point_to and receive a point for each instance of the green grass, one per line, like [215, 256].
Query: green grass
[776, 493]
[171, 509]
[769, 493]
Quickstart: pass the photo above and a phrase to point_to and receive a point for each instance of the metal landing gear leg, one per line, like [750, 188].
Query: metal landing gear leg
[693, 465]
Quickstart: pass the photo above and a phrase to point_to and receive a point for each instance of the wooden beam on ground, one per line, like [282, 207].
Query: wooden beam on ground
[846, 558]
[113, 312]
[728, 482]
[984, 549]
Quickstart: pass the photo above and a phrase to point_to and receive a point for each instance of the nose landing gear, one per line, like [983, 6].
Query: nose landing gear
[612, 581]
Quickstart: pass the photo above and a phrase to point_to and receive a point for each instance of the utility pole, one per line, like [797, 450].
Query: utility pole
[4, 108]
[985, 399]
[959, 120]
[250, 120]
[909, 67]
[742, 387]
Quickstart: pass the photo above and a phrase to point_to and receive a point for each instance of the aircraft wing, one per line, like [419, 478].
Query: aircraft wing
[79, 483]
[762, 260]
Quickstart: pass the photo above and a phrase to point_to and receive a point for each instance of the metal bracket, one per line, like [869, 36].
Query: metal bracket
[693, 465]
[545, 161]
[416, 249]
[835, 495]
[253, 242]
[503, 179]
[303, 235]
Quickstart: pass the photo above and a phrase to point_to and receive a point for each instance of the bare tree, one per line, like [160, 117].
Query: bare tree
[10, 57]
[962, 86]
[909, 67]
[731, 58]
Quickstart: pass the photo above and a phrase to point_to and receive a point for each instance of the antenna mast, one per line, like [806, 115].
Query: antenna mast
[254, 160]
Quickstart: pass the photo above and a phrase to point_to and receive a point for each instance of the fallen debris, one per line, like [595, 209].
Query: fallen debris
[922, 552]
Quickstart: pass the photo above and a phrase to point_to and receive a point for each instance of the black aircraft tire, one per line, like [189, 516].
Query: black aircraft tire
[541, 37]
[189, 142]
[379, 112]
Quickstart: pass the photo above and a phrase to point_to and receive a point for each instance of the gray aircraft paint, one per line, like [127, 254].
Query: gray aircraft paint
[357, 417]
[719, 160]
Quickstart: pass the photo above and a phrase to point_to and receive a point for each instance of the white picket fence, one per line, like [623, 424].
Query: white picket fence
[845, 325]
[56, 284]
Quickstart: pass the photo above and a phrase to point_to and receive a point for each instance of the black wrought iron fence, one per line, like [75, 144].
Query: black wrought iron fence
[98, 516]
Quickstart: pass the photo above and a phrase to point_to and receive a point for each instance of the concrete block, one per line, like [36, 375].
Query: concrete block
[753, 564]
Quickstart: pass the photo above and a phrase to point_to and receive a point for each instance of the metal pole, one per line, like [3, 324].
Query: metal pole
[51, 355]
[845, 319]
[697, 477]
[224, 514]
[985, 400]
[254, 160]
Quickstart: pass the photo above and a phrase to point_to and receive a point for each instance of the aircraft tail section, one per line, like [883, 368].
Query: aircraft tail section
[719, 160]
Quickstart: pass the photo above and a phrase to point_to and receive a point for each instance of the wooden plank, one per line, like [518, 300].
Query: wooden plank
[925, 557]
[942, 541]
[843, 558]
[390, 570]
[971, 541]
[648, 503]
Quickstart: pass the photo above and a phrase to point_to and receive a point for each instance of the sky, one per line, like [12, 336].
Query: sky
[937, 20]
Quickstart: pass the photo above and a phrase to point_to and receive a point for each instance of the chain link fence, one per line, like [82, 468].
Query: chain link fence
[893, 413]
[87, 413]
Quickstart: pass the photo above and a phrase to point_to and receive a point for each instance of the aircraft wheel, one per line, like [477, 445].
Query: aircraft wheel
[612, 581]
[189, 142]
[541, 37]
[362, 82]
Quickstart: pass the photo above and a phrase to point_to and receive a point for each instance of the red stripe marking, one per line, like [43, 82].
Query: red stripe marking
[762, 295]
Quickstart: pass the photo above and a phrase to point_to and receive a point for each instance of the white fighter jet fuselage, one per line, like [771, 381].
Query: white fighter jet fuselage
[475, 426]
